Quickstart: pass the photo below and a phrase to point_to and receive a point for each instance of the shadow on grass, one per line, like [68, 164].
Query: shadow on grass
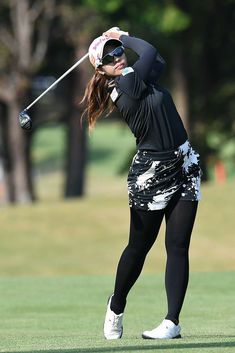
[137, 348]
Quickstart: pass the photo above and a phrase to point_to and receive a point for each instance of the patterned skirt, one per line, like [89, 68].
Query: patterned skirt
[155, 177]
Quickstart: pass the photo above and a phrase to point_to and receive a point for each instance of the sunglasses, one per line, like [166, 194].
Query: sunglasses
[109, 58]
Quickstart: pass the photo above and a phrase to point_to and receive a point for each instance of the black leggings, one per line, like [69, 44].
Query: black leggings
[144, 228]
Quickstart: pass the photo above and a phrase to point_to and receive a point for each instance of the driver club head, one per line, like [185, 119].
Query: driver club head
[25, 120]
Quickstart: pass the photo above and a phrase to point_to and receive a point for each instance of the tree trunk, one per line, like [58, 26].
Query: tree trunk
[2, 155]
[180, 88]
[75, 170]
[18, 183]
[29, 167]
[76, 144]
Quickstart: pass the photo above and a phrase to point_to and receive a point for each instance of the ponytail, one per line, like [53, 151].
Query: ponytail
[97, 100]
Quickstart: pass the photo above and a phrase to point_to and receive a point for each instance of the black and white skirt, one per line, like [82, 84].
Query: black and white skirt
[155, 177]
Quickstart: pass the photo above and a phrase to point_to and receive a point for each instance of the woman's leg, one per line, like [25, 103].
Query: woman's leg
[144, 227]
[180, 216]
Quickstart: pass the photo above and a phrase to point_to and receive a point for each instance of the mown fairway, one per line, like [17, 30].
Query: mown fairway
[65, 315]
[58, 259]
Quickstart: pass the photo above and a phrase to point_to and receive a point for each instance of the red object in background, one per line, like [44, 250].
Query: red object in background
[220, 172]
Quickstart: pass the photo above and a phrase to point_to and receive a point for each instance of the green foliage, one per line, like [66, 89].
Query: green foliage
[158, 16]
[219, 142]
[227, 91]
[223, 149]
[104, 6]
[166, 19]
[174, 20]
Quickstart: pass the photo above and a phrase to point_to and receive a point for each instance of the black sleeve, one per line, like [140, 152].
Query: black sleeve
[146, 52]
[130, 83]
[157, 69]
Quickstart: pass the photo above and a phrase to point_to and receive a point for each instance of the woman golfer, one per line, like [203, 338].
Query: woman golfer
[164, 177]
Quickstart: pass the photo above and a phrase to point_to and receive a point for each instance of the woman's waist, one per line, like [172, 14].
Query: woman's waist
[165, 155]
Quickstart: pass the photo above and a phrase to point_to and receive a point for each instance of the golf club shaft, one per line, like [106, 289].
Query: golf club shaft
[58, 80]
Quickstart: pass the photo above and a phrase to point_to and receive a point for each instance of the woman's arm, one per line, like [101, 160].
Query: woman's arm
[157, 69]
[146, 52]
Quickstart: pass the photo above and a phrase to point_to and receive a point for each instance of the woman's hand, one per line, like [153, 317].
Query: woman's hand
[114, 32]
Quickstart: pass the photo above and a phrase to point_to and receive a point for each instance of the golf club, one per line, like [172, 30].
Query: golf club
[24, 118]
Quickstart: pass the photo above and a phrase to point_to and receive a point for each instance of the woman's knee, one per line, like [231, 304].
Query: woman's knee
[177, 244]
[137, 250]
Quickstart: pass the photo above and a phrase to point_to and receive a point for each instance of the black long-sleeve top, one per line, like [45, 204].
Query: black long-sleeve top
[148, 108]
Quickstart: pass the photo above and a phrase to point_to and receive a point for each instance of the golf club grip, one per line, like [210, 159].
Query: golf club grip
[58, 80]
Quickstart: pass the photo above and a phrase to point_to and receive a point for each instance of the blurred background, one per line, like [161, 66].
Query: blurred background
[64, 206]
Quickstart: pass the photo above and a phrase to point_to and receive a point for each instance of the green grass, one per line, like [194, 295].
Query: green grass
[86, 236]
[65, 315]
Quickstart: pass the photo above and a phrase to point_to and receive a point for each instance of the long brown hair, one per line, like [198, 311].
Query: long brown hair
[96, 98]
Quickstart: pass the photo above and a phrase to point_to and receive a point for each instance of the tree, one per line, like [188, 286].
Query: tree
[79, 22]
[24, 35]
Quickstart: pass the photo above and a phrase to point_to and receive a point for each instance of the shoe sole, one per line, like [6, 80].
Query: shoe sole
[110, 339]
[151, 338]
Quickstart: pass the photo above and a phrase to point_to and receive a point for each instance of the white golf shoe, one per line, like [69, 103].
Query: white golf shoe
[113, 324]
[167, 329]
